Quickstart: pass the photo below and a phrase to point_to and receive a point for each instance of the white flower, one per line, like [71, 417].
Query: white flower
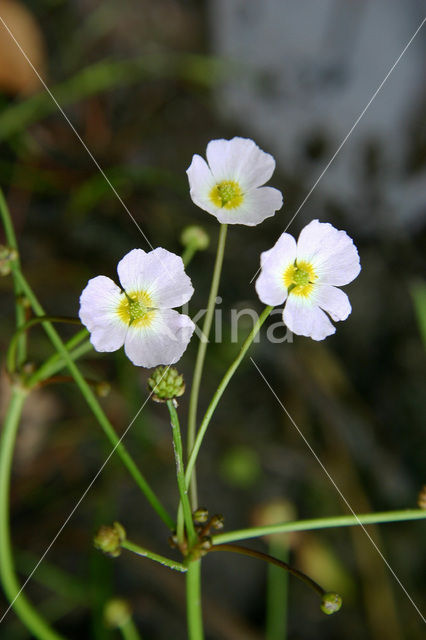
[306, 275]
[229, 186]
[140, 315]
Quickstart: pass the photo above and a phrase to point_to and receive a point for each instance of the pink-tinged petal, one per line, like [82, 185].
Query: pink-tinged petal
[332, 300]
[201, 183]
[160, 274]
[270, 285]
[162, 342]
[306, 319]
[99, 302]
[240, 159]
[257, 205]
[331, 252]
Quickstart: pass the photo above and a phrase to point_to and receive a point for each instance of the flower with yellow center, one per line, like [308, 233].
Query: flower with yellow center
[229, 184]
[305, 276]
[140, 314]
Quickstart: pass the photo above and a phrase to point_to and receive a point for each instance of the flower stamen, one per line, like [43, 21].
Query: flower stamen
[227, 194]
[136, 309]
[299, 278]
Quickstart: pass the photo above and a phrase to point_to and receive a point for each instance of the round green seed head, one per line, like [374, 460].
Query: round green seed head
[195, 236]
[166, 383]
[331, 602]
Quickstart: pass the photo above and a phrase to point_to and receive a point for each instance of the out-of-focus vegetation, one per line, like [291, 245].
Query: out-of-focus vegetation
[137, 79]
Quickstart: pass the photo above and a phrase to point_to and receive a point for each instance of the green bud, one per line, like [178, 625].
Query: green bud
[331, 602]
[109, 538]
[166, 384]
[195, 237]
[205, 545]
[7, 256]
[117, 612]
[201, 515]
[102, 389]
[217, 521]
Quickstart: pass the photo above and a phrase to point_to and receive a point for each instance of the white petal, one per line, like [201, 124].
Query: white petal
[201, 182]
[331, 252]
[332, 300]
[159, 273]
[270, 285]
[258, 204]
[304, 318]
[163, 342]
[98, 312]
[239, 159]
[129, 269]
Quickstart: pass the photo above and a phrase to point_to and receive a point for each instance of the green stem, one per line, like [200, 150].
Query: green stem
[145, 553]
[321, 523]
[188, 253]
[220, 390]
[234, 548]
[277, 593]
[198, 370]
[56, 362]
[180, 474]
[193, 601]
[94, 405]
[129, 631]
[29, 616]
[19, 307]
[10, 358]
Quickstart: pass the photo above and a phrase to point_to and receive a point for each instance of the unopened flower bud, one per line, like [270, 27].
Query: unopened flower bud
[102, 389]
[109, 538]
[7, 256]
[117, 612]
[421, 501]
[195, 237]
[217, 521]
[205, 544]
[200, 515]
[330, 603]
[166, 383]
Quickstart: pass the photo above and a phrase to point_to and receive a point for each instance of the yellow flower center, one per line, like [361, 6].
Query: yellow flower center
[227, 194]
[136, 309]
[299, 278]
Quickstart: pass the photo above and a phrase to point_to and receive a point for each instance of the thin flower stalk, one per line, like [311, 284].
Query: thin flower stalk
[201, 354]
[145, 553]
[75, 347]
[28, 614]
[180, 475]
[220, 390]
[321, 523]
[194, 611]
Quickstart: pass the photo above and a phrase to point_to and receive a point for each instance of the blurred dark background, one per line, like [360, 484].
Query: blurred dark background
[147, 83]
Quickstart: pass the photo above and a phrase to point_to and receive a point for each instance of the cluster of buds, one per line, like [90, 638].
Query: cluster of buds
[109, 538]
[203, 524]
[166, 383]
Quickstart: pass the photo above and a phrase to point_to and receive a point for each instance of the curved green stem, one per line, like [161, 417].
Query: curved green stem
[321, 523]
[180, 474]
[94, 405]
[145, 553]
[252, 553]
[19, 307]
[220, 390]
[10, 358]
[56, 362]
[29, 616]
[194, 612]
[198, 370]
